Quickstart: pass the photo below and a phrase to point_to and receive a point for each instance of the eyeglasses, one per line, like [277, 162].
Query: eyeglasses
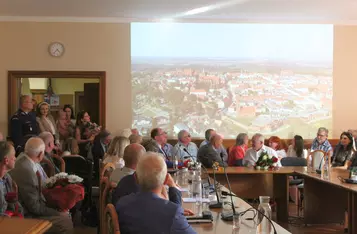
[321, 135]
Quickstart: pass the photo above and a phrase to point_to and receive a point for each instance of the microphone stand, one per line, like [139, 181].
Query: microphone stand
[229, 216]
[219, 203]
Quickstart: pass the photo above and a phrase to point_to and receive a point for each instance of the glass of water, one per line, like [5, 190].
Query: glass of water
[236, 221]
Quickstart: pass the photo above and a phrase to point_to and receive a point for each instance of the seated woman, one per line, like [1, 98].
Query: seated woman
[275, 144]
[116, 151]
[342, 155]
[46, 122]
[85, 132]
[296, 149]
[236, 153]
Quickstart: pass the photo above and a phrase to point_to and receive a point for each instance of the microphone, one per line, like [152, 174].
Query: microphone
[205, 169]
[218, 204]
[225, 193]
[229, 216]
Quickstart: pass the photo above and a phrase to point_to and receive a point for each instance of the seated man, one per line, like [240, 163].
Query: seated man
[184, 148]
[221, 151]
[146, 211]
[7, 162]
[321, 142]
[252, 154]
[49, 141]
[24, 174]
[158, 143]
[132, 153]
[210, 153]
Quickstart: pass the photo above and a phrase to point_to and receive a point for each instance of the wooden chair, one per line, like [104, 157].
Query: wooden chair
[61, 161]
[104, 199]
[111, 222]
[107, 170]
[48, 168]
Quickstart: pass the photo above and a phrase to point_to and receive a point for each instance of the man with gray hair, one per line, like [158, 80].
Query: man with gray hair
[321, 142]
[184, 148]
[34, 203]
[252, 154]
[168, 216]
[209, 154]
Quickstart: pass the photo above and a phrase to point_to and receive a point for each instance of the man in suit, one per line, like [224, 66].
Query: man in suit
[210, 153]
[221, 150]
[99, 149]
[135, 211]
[23, 124]
[24, 174]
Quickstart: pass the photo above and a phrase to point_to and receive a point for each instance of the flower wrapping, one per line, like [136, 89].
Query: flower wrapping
[63, 197]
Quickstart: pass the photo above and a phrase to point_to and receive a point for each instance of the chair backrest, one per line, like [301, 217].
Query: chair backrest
[317, 158]
[104, 199]
[81, 167]
[111, 222]
[107, 170]
[61, 161]
[293, 162]
[49, 168]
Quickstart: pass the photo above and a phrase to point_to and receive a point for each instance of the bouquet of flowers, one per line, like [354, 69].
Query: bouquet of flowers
[191, 164]
[216, 166]
[266, 162]
[63, 191]
[94, 128]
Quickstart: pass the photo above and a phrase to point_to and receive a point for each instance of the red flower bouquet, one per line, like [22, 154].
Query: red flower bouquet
[63, 191]
[266, 162]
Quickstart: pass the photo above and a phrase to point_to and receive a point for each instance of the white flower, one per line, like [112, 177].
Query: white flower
[61, 175]
[257, 167]
[49, 182]
[270, 156]
[73, 179]
[265, 157]
[275, 164]
[266, 168]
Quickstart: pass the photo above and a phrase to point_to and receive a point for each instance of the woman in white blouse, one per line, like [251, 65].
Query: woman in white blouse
[116, 151]
[296, 149]
[46, 122]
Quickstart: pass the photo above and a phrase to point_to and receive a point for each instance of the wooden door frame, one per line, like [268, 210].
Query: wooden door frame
[15, 76]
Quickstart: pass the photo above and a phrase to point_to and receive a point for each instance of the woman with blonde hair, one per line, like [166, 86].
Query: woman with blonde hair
[116, 151]
[46, 122]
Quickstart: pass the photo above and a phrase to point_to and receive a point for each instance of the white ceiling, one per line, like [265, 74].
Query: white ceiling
[298, 11]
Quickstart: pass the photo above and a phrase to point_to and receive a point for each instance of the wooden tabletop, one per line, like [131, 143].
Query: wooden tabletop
[23, 226]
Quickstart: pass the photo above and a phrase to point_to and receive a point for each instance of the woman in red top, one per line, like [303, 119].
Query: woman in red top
[236, 154]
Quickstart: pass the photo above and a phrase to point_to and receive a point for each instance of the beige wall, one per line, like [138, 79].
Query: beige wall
[345, 79]
[88, 47]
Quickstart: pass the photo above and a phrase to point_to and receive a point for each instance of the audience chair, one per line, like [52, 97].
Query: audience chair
[107, 170]
[49, 168]
[111, 222]
[104, 199]
[62, 164]
[77, 165]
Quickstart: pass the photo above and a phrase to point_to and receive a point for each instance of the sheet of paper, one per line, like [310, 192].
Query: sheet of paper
[192, 200]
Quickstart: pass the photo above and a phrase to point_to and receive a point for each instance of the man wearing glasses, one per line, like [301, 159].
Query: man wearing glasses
[321, 142]
[185, 149]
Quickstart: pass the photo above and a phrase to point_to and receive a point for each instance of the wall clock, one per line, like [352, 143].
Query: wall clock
[56, 49]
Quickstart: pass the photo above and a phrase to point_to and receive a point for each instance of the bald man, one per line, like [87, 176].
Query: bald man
[24, 174]
[210, 153]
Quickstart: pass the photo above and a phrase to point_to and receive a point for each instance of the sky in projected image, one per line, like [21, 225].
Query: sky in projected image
[270, 78]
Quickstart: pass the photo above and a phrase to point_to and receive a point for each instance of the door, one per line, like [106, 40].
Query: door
[91, 100]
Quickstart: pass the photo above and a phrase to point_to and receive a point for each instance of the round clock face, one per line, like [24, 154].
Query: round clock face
[56, 49]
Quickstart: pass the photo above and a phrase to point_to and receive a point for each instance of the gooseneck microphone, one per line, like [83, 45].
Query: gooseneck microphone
[218, 204]
[230, 190]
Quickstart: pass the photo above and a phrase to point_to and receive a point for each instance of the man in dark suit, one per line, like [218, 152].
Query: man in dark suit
[210, 153]
[135, 211]
[24, 174]
[99, 148]
[23, 124]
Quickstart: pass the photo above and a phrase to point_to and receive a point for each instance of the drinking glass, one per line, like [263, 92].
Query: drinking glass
[236, 221]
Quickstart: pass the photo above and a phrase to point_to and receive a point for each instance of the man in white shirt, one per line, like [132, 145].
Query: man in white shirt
[184, 148]
[252, 154]
[132, 154]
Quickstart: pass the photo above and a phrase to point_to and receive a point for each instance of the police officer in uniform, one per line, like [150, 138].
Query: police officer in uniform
[23, 124]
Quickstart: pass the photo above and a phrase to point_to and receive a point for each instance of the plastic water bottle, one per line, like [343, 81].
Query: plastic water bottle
[175, 163]
[264, 226]
[326, 169]
[197, 192]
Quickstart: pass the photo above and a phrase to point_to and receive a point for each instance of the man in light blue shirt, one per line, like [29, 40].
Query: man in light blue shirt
[184, 149]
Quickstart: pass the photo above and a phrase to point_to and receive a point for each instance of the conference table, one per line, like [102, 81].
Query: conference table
[325, 201]
[220, 226]
[23, 226]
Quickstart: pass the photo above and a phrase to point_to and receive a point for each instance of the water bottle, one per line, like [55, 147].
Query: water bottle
[197, 192]
[175, 163]
[326, 169]
[264, 226]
